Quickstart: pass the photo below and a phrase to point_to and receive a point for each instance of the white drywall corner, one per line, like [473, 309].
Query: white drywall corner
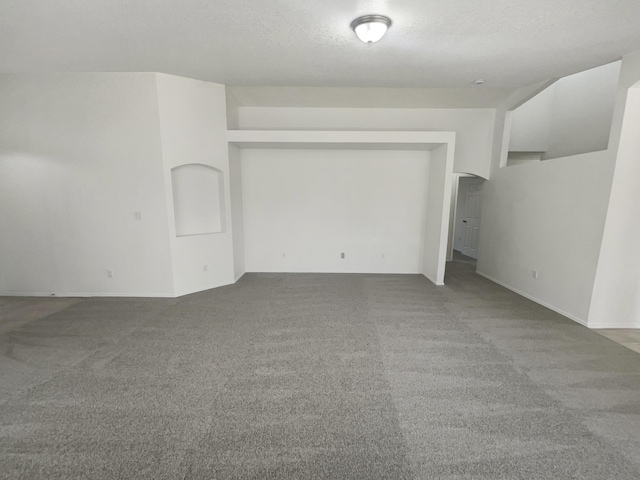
[237, 211]
[438, 213]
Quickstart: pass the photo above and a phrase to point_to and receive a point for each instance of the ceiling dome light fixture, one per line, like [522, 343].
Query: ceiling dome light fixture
[370, 28]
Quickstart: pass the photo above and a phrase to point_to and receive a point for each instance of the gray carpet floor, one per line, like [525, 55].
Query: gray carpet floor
[317, 376]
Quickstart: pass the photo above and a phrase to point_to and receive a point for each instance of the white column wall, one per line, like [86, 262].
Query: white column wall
[616, 299]
[237, 211]
[193, 129]
[616, 294]
[438, 211]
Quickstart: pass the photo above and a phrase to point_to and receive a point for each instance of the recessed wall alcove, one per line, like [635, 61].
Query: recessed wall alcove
[198, 199]
[437, 146]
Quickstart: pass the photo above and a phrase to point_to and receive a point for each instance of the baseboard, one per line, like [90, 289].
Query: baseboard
[240, 276]
[432, 280]
[598, 326]
[204, 288]
[534, 299]
[86, 295]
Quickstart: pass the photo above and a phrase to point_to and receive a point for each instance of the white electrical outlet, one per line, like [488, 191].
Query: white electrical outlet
[534, 273]
[137, 215]
[342, 255]
[284, 255]
[110, 273]
[205, 267]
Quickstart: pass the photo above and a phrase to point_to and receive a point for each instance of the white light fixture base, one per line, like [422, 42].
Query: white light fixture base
[371, 28]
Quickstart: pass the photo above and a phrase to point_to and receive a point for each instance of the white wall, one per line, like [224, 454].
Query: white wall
[303, 208]
[193, 130]
[367, 97]
[582, 111]
[473, 127]
[570, 117]
[530, 123]
[616, 294]
[549, 216]
[232, 110]
[79, 154]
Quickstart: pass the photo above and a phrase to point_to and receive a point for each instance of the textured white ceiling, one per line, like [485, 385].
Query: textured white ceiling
[432, 43]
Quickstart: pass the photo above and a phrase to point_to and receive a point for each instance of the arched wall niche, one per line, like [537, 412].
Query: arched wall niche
[198, 199]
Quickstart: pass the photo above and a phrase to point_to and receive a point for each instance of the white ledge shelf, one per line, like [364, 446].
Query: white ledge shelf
[340, 139]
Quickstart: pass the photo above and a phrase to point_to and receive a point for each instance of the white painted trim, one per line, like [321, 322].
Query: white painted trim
[87, 295]
[340, 136]
[534, 299]
[240, 276]
[119, 295]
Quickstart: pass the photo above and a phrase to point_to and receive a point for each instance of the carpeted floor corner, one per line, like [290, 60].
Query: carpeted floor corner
[317, 376]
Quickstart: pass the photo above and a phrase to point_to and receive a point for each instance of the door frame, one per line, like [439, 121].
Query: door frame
[455, 184]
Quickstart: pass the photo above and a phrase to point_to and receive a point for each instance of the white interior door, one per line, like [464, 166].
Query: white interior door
[471, 218]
